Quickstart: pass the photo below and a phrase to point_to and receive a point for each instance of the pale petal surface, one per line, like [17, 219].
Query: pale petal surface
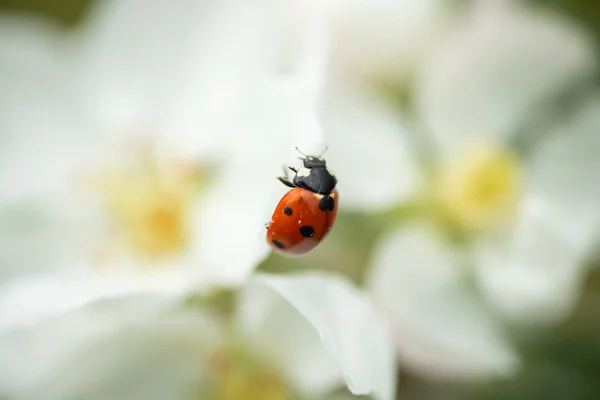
[26, 301]
[534, 276]
[354, 338]
[440, 328]
[101, 351]
[230, 241]
[371, 152]
[499, 64]
[141, 63]
[564, 166]
[37, 145]
[384, 39]
[149, 72]
[281, 333]
[31, 57]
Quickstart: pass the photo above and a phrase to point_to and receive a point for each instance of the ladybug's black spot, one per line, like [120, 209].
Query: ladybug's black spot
[307, 231]
[279, 245]
[287, 210]
[326, 203]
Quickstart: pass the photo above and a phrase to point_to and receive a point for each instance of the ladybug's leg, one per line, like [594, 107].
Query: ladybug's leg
[286, 182]
[285, 170]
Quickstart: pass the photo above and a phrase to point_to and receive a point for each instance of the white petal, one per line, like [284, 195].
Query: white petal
[30, 48]
[172, 66]
[36, 197]
[440, 328]
[42, 191]
[308, 45]
[535, 276]
[385, 38]
[270, 122]
[280, 332]
[231, 241]
[563, 171]
[130, 348]
[32, 77]
[26, 301]
[37, 153]
[130, 48]
[353, 337]
[237, 52]
[369, 150]
[489, 75]
[566, 162]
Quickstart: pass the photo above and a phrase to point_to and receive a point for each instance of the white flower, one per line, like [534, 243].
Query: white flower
[385, 40]
[125, 165]
[301, 336]
[501, 217]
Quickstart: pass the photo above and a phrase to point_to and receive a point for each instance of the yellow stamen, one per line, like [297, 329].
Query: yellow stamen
[235, 374]
[481, 190]
[149, 203]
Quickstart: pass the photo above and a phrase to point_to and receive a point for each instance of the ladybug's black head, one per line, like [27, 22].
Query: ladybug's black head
[315, 176]
[314, 162]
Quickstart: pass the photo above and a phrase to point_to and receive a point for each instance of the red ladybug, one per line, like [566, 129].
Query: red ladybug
[305, 214]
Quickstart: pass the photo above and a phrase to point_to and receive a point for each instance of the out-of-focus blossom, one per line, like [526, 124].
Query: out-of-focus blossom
[129, 158]
[374, 43]
[289, 339]
[385, 40]
[496, 230]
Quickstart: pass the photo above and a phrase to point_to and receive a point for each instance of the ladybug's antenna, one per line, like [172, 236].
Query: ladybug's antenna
[323, 152]
[298, 150]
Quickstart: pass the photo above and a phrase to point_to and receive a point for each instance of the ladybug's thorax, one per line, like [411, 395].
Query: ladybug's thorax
[314, 162]
[315, 176]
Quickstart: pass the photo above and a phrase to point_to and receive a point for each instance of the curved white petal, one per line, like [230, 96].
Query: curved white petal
[441, 330]
[35, 97]
[30, 56]
[267, 125]
[43, 213]
[122, 349]
[534, 276]
[173, 69]
[492, 72]
[280, 332]
[40, 144]
[230, 240]
[564, 164]
[236, 52]
[356, 345]
[369, 150]
[563, 170]
[269, 122]
[27, 300]
[385, 39]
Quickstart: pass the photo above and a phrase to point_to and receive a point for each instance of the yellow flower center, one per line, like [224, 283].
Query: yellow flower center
[150, 202]
[234, 374]
[481, 190]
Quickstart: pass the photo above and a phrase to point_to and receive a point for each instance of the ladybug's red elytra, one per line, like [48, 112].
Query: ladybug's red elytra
[305, 214]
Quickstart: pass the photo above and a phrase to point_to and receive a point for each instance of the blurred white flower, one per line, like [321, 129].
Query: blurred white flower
[295, 337]
[385, 40]
[376, 42]
[131, 157]
[499, 230]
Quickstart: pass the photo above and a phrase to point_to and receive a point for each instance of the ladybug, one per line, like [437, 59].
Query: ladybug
[305, 214]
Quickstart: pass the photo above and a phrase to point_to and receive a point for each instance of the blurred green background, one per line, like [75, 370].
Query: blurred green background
[560, 364]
